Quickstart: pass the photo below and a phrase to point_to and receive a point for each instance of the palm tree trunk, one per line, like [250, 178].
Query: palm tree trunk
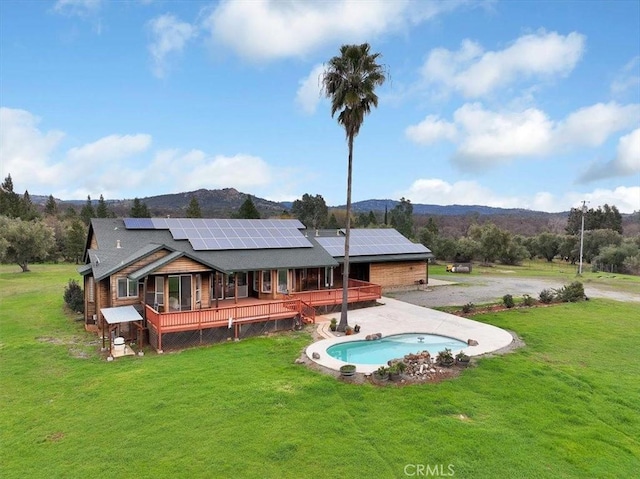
[345, 271]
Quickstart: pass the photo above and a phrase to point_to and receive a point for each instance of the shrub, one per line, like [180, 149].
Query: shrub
[571, 293]
[527, 300]
[507, 299]
[445, 358]
[467, 308]
[74, 297]
[546, 296]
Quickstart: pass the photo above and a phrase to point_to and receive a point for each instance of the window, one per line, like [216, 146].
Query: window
[127, 288]
[90, 289]
[328, 275]
[198, 288]
[159, 293]
[180, 292]
[266, 281]
[283, 276]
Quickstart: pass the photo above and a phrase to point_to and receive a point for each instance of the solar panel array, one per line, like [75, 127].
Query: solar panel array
[225, 234]
[369, 242]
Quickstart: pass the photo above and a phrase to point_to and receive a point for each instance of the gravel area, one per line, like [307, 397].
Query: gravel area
[459, 290]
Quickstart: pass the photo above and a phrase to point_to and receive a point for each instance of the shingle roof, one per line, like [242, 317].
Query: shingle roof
[119, 247]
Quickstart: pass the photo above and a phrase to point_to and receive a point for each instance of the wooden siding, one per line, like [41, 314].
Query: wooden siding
[89, 306]
[182, 265]
[398, 275]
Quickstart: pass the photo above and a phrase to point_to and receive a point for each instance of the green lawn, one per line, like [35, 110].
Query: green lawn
[566, 405]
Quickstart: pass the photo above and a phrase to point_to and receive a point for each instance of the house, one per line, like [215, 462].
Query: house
[176, 282]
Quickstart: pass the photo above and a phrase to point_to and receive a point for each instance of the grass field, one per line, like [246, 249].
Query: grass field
[566, 405]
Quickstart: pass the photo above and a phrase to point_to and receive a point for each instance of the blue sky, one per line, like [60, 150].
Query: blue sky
[509, 104]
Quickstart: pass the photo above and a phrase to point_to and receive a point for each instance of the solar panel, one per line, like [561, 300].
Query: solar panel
[222, 234]
[369, 242]
[138, 223]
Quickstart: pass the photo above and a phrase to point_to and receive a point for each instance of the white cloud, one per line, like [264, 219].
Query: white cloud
[486, 138]
[25, 151]
[195, 169]
[309, 92]
[628, 157]
[440, 192]
[264, 30]
[625, 163]
[475, 72]
[431, 130]
[435, 191]
[592, 125]
[499, 137]
[170, 35]
[110, 148]
[627, 79]
[625, 198]
[239, 171]
[77, 7]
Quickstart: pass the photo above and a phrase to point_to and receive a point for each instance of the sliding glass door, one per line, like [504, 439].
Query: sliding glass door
[180, 292]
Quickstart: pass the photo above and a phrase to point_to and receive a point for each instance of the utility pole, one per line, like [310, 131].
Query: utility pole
[584, 207]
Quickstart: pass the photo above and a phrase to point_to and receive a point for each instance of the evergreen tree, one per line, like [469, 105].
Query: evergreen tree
[87, 212]
[9, 200]
[402, 217]
[333, 222]
[70, 213]
[139, 209]
[27, 210]
[248, 210]
[101, 210]
[372, 218]
[312, 211]
[607, 217]
[74, 241]
[51, 208]
[193, 210]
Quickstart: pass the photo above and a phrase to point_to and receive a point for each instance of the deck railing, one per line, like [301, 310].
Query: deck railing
[301, 303]
[358, 291]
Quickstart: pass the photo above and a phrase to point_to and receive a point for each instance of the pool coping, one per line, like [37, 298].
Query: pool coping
[397, 317]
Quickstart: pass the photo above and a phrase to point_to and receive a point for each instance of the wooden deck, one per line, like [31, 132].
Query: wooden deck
[249, 310]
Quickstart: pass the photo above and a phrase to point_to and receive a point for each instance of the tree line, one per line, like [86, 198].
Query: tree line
[28, 236]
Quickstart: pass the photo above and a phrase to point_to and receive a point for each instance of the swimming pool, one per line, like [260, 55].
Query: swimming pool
[394, 346]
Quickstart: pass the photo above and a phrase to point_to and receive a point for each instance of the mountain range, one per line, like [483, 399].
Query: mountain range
[224, 202]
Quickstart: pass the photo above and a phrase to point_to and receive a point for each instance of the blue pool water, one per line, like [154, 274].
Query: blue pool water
[395, 346]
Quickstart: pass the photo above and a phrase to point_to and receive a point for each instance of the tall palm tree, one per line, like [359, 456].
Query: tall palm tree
[349, 81]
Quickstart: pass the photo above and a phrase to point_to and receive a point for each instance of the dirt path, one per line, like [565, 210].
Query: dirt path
[478, 290]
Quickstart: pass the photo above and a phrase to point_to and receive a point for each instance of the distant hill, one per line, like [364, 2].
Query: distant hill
[439, 210]
[225, 202]
[378, 206]
[452, 220]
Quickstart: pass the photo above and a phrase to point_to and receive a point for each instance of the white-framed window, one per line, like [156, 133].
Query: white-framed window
[91, 296]
[198, 288]
[266, 281]
[283, 280]
[328, 275]
[127, 288]
[159, 292]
